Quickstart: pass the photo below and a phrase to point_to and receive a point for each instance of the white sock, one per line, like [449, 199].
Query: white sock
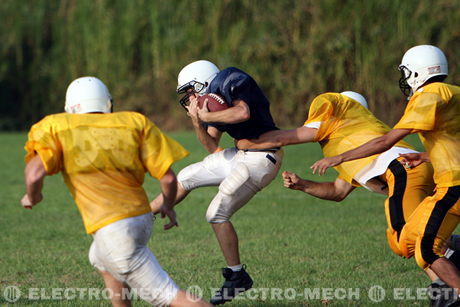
[236, 268]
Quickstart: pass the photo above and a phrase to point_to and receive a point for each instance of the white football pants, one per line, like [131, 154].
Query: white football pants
[239, 175]
[121, 249]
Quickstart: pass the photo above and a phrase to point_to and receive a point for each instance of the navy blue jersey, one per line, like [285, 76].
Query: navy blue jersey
[234, 84]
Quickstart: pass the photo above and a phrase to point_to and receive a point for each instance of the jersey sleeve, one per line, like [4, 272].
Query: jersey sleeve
[240, 87]
[158, 151]
[43, 142]
[420, 114]
[321, 110]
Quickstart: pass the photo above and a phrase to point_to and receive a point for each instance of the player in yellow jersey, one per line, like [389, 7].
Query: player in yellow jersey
[433, 112]
[340, 122]
[103, 157]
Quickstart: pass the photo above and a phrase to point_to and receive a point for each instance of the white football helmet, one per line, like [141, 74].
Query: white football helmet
[87, 94]
[356, 96]
[419, 64]
[197, 75]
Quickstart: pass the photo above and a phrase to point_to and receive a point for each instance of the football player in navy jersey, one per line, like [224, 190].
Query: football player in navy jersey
[239, 174]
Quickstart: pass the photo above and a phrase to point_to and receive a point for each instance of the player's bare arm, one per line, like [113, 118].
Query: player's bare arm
[375, 146]
[279, 138]
[34, 176]
[335, 191]
[168, 185]
[238, 113]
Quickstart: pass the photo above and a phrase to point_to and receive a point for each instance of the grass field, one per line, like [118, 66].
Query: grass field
[288, 240]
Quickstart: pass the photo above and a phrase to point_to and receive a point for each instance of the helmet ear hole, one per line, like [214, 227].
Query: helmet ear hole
[415, 74]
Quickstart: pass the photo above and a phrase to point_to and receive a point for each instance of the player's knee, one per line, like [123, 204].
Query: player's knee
[185, 178]
[220, 210]
[216, 216]
[425, 252]
[393, 242]
[216, 219]
[421, 262]
[94, 259]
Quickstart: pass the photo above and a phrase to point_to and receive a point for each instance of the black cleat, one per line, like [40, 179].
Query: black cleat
[235, 283]
[441, 295]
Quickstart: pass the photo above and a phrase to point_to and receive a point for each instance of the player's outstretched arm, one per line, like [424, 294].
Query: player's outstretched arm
[278, 138]
[375, 146]
[336, 191]
[34, 174]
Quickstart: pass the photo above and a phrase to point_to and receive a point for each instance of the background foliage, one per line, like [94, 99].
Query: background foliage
[294, 49]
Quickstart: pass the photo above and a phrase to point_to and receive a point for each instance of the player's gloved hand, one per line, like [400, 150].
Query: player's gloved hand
[171, 214]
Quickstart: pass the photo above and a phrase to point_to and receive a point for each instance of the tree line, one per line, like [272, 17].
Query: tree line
[294, 49]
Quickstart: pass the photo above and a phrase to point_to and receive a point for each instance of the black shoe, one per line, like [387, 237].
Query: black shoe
[441, 295]
[235, 283]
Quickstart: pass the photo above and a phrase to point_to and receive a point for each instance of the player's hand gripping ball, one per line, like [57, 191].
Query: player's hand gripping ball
[215, 102]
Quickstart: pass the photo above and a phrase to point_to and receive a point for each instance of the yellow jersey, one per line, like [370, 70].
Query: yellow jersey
[103, 159]
[434, 112]
[345, 124]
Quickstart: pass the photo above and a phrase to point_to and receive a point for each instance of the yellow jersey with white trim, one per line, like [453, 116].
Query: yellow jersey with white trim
[344, 124]
[103, 159]
[434, 113]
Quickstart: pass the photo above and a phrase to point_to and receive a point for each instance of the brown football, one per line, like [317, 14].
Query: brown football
[215, 102]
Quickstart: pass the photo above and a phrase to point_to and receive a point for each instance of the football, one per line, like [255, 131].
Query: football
[215, 102]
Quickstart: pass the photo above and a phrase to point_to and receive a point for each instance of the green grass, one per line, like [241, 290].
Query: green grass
[287, 239]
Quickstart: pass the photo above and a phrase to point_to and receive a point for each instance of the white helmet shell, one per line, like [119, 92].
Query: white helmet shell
[87, 94]
[421, 63]
[357, 97]
[198, 74]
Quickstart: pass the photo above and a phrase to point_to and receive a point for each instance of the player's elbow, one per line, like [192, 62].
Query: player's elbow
[338, 198]
[385, 144]
[244, 114]
[169, 178]
[34, 177]
[241, 113]
[340, 195]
